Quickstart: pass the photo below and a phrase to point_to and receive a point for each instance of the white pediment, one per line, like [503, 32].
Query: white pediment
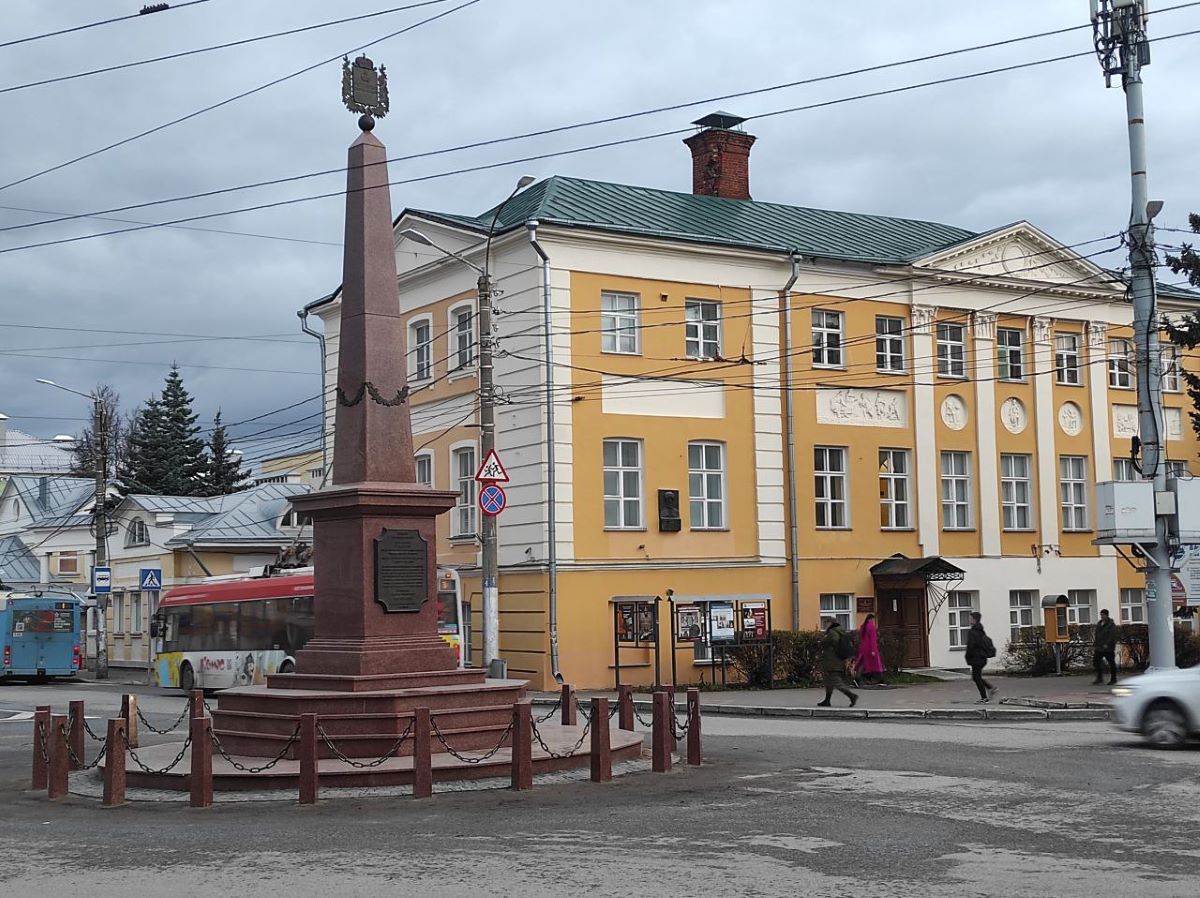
[1022, 252]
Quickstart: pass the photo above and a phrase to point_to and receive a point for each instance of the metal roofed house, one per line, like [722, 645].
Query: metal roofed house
[757, 402]
[23, 453]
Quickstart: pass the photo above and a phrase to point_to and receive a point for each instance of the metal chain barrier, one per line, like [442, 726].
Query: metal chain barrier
[554, 709]
[41, 735]
[537, 734]
[680, 731]
[464, 758]
[208, 710]
[179, 757]
[649, 724]
[87, 729]
[172, 728]
[582, 711]
[295, 737]
[364, 765]
[79, 762]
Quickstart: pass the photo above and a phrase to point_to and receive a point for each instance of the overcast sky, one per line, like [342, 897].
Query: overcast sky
[1045, 144]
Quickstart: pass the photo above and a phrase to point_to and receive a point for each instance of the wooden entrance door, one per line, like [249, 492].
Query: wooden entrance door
[902, 613]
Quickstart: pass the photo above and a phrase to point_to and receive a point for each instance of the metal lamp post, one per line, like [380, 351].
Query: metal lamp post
[99, 515]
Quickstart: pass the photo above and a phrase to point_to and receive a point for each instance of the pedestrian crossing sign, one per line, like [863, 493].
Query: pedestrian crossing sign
[150, 579]
[491, 471]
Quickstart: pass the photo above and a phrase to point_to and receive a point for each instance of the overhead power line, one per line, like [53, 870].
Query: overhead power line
[149, 9]
[619, 118]
[41, 82]
[235, 97]
[573, 151]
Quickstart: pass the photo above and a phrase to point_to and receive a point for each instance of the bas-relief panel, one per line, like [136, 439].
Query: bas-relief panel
[862, 408]
[1125, 422]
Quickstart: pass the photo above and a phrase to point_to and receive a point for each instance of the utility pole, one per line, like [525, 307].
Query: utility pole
[100, 525]
[1124, 49]
[487, 444]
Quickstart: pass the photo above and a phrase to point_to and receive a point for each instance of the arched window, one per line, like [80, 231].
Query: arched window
[137, 533]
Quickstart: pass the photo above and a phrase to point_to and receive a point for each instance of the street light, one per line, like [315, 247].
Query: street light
[99, 513]
[487, 426]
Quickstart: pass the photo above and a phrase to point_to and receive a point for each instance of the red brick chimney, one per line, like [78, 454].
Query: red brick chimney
[721, 157]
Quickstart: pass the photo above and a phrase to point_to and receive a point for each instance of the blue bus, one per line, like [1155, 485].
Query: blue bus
[39, 635]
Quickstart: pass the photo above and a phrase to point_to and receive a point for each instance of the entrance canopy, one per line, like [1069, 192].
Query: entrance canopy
[901, 567]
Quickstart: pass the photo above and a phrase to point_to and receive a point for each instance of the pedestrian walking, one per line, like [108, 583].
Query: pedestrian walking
[1104, 648]
[835, 652]
[979, 649]
[868, 664]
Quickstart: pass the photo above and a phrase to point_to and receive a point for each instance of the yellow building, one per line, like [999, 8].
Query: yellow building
[759, 403]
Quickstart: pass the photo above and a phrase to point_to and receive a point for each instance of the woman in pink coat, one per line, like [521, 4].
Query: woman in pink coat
[869, 663]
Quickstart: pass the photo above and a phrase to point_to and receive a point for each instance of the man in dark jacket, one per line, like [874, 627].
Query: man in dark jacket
[979, 649]
[1105, 649]
[834, 652]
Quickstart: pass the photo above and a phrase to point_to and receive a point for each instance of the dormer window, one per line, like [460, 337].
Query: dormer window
[137, 534]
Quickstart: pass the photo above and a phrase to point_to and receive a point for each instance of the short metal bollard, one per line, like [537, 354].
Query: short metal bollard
[129, 713]
[567, 705]
[308, 759]
[522, 746]
[661, 740]
[60, 767]
[693, 729]
[114, 765]
[422, 754]
[41, 749]
[75, 725]
[625, 708]
[200, 782]
[601, 744]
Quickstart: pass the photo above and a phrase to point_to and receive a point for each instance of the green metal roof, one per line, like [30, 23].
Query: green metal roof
[619, 208]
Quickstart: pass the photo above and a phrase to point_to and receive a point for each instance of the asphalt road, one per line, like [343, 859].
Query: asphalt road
[782, 807]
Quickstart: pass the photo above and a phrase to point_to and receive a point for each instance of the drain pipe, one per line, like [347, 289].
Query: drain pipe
[790, 430]
[303, 316]
[551, 477]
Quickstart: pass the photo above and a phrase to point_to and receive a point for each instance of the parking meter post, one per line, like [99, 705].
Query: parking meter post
[59, 757]
[601, 743]
[625, 708]
[75, 716]
[114, 765]
[41, 744]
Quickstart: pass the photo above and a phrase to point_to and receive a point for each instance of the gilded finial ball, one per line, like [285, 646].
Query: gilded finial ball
[366, 122]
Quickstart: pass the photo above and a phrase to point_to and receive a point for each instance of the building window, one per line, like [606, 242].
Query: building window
[420, 352]
[961, 603]
[1010, 353]
[425, 469]
[135, 612]
[829, 475]
[1021, 603]
[894, 502]
[706, 485]
[702, 335]
[1016, 491]
[619, 323]
[116, 614]
[956, 491]
[1120, 364]
[137, 534]
[1124, 470]
[293, 518]
[952, 350]
[623, 484]
[1066, 358]
[1170, 368]
[1072, 475]
[1082, 609]
[68, 564]
[1133, 606]
[462, 326]
[839, 605]
[462, 467]
[889, 343]
[827, 339]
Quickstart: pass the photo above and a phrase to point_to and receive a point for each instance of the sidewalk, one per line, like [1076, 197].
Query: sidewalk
[1019, 698]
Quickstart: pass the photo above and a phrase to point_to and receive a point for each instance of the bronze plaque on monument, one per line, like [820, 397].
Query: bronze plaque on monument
[401, 570]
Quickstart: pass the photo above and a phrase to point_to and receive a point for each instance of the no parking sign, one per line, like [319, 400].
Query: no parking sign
[492, 500]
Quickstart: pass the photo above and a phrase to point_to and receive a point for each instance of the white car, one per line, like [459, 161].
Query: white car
[1162, 705]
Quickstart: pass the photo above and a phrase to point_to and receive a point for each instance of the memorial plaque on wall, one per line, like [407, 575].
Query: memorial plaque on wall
[865, 604]
[401, 570]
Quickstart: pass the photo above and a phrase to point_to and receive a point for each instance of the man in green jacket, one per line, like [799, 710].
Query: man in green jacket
[836, 648]
[1105, 649]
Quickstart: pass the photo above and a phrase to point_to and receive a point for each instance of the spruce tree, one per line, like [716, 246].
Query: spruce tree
[146, 463]
[165, 455]
[1186, 333]
[225, 474]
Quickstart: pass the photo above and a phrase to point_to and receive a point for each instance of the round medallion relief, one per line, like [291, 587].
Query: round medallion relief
[1070, 419]
[1012, 415]
[954, 412]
